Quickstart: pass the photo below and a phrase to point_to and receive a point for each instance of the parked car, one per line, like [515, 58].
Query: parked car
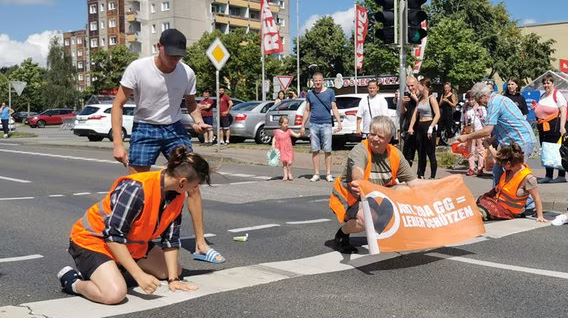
[50, 117]
[11, 125]
[94, 122]
[249, 121]
[20, 116]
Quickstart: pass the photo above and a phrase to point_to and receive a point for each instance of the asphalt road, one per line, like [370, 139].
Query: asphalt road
[285, 269]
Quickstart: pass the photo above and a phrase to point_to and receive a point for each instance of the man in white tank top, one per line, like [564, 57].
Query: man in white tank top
[158, 84]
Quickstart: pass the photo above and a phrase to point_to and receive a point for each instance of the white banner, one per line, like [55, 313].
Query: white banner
[270, 39]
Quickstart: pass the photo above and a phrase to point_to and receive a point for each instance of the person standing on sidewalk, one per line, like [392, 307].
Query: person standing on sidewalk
[447, 102]
[374, 105]
[158, 84]
[206, 105]
[320, 102]
[225, 117]
[5, 113]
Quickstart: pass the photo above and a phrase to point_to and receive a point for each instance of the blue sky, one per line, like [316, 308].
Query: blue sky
[25, 22]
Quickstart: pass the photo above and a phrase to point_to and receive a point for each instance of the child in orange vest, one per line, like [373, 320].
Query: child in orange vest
[507, 200]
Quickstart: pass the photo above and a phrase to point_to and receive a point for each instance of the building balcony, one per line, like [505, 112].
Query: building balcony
[132, 16]
[133, 37]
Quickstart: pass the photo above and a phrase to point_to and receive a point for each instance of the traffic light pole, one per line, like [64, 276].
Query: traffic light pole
[402, 36]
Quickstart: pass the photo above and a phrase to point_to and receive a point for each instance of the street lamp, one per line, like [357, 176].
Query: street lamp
[298, 50]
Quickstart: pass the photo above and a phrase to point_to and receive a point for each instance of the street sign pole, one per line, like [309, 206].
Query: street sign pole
[218, 110]
[402, 34]
[218, 55]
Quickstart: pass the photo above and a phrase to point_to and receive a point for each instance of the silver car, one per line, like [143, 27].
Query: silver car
[293, 109]
[249, 121]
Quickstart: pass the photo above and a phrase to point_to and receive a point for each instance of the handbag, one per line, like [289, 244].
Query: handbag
[550, 155]
[273, 157]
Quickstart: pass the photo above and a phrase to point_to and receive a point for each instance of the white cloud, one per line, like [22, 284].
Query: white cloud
[343, 18]
[528, 22]
[13, 52]
[27, 2]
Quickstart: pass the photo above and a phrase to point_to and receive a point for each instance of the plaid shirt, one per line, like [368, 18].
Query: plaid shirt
[510, 124]
[127, 202]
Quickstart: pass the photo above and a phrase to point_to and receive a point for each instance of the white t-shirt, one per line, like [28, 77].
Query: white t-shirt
[378, 106]
[158, 95]
[478, 119]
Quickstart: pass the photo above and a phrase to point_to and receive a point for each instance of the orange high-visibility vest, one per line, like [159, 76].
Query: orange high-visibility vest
[87, 232]
[341, 198]
[507, 191]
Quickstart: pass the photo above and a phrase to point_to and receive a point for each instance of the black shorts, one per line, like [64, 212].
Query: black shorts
[225, 121]
[209, 120]
[88, 261]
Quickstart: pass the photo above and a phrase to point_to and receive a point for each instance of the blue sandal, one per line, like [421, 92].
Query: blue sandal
[209, 256]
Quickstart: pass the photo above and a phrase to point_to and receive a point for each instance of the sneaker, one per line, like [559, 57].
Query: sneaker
[559, 179]
[560, 220]
[5, 135]
[227, 142]
[470, 172]
[342, 243]
[545, 180]
[480, 172]
[67, 276]
[330, 178]
[315, 178]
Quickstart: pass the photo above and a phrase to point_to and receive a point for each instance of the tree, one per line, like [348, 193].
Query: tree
[33, 75]
[59, 90]
[109, 65]
[452, 54]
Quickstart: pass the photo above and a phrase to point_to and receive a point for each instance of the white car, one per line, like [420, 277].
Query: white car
[94, 122]
[11, 125]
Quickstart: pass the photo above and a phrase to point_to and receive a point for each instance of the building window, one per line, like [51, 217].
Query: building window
[253, 14]
[152, 8]
[165, 6]
[103, 42]
[101, 25]
[80, 65]
[94, 43]
[102, 7]
[282, 4]
[112, 5]
[73, 54]
[235, 11]
[165, 25]
[112, 40]
[80, 77]
[66, 42]
[153, 28]
[217, 8]
[93, 25]
[79, 53]
[112, 23]
[92, 8]
[79, 41]
[73, 40]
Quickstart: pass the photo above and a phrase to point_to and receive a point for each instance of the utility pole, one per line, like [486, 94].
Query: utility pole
[402, 36]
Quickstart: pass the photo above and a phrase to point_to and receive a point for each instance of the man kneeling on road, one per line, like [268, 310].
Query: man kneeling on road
[375, 160]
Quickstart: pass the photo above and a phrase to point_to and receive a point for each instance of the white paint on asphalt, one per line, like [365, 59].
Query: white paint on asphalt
[309, 221]
[241, 175]
[252, 228]
[263, 177]
[21, 258]
[14, 179]
[102, 192]
[555, 274]
[56, 195]
[191, 237]
[320, 200]
[82, 193]
[17, 198]
[9, 144]
[242, 183]
[60, 156]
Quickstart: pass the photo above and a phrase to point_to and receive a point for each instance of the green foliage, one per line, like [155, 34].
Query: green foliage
[452, 55]
[59, 90]
[33, 75]
[108, 66]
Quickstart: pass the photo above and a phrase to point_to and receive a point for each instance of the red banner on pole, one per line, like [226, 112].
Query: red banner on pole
[271, 41]
[564, 65]
[361, 27]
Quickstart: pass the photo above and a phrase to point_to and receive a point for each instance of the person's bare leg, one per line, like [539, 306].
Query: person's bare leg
[106, 285]
[285, 171]
[316, 162]
[328, 162]
[290, 170]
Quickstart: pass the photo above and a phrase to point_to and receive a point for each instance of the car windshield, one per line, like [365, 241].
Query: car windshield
[347, 102]
[287, 105]
[88, 110]
[247, 106]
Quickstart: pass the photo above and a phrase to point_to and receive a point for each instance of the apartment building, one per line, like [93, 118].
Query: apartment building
[75, 46]
[146, 19]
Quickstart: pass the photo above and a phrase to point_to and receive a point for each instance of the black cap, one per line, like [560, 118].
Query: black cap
[174, 42]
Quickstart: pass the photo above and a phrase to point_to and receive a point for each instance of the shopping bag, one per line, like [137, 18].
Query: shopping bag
[273, 157]
[550, 155]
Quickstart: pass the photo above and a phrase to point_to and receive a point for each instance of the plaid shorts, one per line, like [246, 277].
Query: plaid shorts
[149, 140]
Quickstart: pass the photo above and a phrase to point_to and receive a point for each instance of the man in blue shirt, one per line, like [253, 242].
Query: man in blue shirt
[320, 103]
[5, 113]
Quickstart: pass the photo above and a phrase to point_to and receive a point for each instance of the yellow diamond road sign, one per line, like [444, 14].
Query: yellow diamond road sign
[218, 54]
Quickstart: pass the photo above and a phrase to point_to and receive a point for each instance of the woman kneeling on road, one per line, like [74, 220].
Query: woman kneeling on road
[508, 198]
[116, 233]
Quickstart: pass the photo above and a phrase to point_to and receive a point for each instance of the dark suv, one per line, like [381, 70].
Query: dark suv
[51, 117]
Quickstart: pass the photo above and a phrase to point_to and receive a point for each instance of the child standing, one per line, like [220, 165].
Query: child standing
[473, 120]
[282, 142]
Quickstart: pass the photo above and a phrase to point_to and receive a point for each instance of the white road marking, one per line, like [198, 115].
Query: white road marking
[309, 221]
[60, 156]
[56, 195]
[241, 175]
[242, 183]
[320, 200]
[555, 274]
[251, 228]
[102, 192]
[21, 258]
[82, 193]
[9, 144]
[14, 179]
[17, 198]
[263, 177]
[194, 236]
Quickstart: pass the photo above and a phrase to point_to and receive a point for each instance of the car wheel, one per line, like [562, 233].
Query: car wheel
[95, 138]
[261, 137]
[41, 124]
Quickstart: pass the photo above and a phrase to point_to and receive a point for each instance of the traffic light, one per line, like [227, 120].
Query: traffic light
[415, 18]
[385, 16]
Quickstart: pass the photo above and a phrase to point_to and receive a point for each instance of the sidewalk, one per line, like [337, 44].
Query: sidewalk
[554, 196]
